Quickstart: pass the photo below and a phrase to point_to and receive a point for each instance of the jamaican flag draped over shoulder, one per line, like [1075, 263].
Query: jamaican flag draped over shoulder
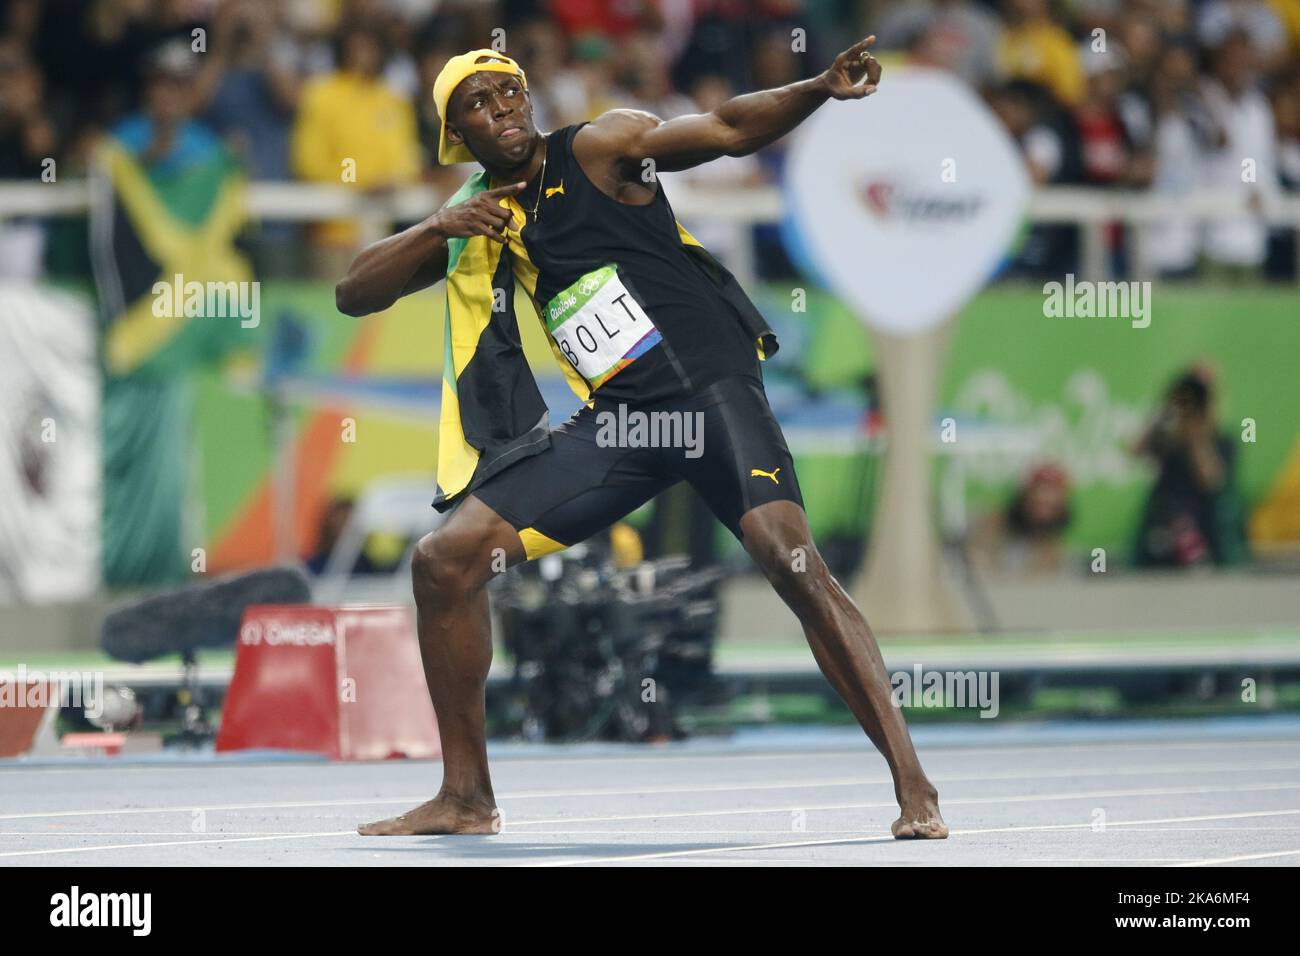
[492, 411]
[156, 229]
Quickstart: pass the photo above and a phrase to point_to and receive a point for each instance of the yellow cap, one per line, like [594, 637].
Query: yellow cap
[456, 70]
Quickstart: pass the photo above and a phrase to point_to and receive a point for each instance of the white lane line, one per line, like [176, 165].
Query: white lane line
[1221, 829]
[1035, 861]
[588, 831]
[118, 834]
[937, 750]
[889, 804]
[981, 777]
[794, 844]
[619, 831]
[1240, 859]
[210, 808]
[764, 861]
[1088, 795]
[142, 846]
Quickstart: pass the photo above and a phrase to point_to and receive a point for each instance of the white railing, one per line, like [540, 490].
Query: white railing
[1091, 209]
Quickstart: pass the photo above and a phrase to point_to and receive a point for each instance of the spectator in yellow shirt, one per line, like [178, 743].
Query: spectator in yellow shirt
[1036, 49]
[353, 129]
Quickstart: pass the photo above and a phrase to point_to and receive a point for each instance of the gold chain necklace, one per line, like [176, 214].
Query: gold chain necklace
[541, 181]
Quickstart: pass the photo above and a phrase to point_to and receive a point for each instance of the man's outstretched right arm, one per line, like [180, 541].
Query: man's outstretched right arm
[416, 258]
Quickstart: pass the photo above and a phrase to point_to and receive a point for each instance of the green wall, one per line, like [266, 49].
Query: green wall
[1084, 386]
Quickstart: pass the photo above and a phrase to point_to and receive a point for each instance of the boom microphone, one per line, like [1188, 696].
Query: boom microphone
[198, 615]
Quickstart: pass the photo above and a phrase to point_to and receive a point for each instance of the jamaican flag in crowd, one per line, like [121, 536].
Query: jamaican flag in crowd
[174, 294]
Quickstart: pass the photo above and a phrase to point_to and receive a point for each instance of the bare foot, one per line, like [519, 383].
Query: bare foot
[920, 819]
[442, 814]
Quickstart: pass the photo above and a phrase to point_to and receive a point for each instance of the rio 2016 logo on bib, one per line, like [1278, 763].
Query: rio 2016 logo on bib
[599, 327]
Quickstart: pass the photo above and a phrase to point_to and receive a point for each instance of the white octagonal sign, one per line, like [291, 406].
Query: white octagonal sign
[904, 203]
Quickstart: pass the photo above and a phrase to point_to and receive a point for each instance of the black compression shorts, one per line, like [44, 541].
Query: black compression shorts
[611, 457]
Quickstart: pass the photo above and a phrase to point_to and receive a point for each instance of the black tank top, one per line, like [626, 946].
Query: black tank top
[629, 307]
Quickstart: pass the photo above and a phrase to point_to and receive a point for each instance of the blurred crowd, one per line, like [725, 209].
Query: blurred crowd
[1166, 95]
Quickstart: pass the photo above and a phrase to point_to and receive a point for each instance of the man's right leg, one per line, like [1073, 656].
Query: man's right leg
[556, 498]
[450, 572]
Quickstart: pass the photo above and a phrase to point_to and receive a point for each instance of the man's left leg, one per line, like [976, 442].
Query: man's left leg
[776, 536]
[744, 470]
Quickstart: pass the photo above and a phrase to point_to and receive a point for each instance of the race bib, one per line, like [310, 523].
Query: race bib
[599, 327]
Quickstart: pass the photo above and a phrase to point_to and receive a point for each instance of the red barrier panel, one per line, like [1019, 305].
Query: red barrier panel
[346, 682]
